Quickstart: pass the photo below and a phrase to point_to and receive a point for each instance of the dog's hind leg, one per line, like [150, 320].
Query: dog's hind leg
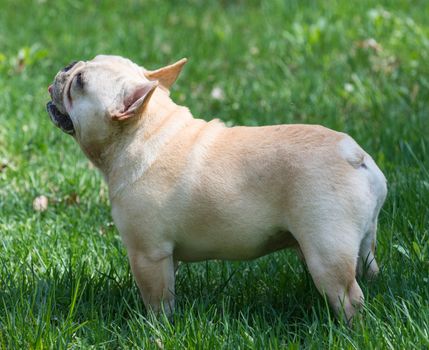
[331, 257]
[367, 265]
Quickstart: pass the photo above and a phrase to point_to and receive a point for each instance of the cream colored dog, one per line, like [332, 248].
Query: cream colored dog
[183, 189]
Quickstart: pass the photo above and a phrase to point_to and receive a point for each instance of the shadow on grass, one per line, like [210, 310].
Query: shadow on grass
[215, 299]
[76, 294]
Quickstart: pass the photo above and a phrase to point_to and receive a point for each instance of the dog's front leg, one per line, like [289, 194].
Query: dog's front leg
[155, 279]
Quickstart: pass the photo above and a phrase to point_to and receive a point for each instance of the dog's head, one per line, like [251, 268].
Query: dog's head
[90, 98]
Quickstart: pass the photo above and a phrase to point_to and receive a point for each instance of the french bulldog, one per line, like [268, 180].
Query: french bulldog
[184, 189]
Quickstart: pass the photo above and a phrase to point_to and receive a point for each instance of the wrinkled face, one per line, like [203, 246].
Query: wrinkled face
[91, 98]
[87, 96]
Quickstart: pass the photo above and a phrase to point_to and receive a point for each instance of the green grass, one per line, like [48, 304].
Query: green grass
[64, 277]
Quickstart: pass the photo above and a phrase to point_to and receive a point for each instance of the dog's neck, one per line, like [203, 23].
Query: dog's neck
[139, 143]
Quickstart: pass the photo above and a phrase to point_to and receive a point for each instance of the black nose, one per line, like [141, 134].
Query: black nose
[70, 66]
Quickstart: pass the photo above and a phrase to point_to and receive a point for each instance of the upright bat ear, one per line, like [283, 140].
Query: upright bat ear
[166, 75]
[135, 100]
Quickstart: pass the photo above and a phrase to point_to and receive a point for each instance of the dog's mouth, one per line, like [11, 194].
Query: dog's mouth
[56, 111]
[62, 121]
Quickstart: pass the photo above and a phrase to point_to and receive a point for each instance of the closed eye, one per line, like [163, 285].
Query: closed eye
[78, 82]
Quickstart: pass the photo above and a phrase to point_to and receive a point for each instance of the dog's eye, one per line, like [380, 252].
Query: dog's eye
[79, 80]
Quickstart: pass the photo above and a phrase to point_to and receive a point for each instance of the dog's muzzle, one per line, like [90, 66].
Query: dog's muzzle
[62, 121]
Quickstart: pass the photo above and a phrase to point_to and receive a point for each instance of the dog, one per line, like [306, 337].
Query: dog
[184, 189]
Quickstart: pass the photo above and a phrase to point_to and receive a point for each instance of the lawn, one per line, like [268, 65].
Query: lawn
[360, 67]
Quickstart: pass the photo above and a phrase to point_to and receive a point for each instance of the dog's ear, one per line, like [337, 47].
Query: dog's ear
[166, 75]
[135, 100]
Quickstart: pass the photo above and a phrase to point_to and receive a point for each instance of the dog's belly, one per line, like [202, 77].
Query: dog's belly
[234, 247]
